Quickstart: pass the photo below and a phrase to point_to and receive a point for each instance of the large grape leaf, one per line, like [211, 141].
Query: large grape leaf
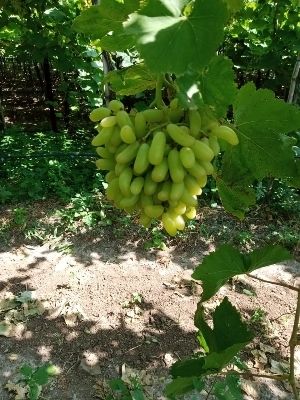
[261, 121]
[98, 20]
[218, 267]
[214, 86]
[223, 344]
[132, 80]
[196, 36]
[183, 385]
[218, 87]
[234, 183]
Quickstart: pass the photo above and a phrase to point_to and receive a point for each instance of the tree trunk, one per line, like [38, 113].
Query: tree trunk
[294, 80]
[49, 94]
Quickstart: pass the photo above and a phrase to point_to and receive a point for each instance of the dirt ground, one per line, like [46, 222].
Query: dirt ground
[112, 303]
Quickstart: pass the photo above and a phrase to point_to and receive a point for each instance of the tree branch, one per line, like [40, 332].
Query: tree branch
[275, 283]
[294, 80]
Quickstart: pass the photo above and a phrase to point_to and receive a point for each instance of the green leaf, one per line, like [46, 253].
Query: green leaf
[223, 345]
[117, 41]
[261, 121]
[34, 391]
[229, 388]
[183, 385]
[41, 375]
[26, 370]
[97, 21]
[226, 262]
[131, 80]
[171, 41]
[234, 5]
[218, 87]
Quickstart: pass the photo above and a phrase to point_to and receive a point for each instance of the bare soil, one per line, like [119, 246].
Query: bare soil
[91, 330]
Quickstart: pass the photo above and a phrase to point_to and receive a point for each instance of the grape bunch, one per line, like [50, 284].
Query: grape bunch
[157, 160]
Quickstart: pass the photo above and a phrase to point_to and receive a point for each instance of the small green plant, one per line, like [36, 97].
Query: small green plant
[121, 390]
[20, 217]
[258, 315]
[157, 240]
[136, 299]
[31, 382]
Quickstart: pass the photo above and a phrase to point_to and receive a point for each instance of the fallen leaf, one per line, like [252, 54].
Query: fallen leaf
[20, 391]
[267, 349]
[5, 329]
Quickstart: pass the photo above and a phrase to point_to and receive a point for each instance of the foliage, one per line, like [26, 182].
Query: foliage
[44, 165]
[32, 380]
[219, 343]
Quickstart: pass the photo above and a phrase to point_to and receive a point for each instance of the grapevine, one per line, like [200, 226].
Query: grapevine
[158, 159]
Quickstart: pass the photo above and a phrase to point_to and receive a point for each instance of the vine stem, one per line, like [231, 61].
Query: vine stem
[276, 377]
[275, 283]
[293, 343]
[158, 101]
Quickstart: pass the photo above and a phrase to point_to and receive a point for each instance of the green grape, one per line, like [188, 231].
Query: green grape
[192, 185]
[127, 134]
[125, 181]
[105, 164]
[179, 209]
[128, 154]
[103, 137]
[145, 220]
[174, 104]
[209, 168]
[202, 151]
[128, 202]
[141, 162]
[188, 199]
[214, 144]
[169, 224]
[149, 185]
[225, 133]
[110, 176]
[119, 168]
[190, 213]
[157, 148]
[187, 157]
[175, 167]
[108, 122]
[140, 125]
[115, 106]
[202, 180]
[123, 119]
[175, 115]
[146, 200]
[137, 185]
[164, 192]
[177, 190]
[153, 211]
[113, 189]
[99, 113]
[160, 171]
[179, 136]
[153, 115]
[178, 221]
[103, 152]
[197, 170]
[195, 123]
[115, 139]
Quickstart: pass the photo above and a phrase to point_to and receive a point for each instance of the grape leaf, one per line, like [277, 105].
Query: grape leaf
[98, 20]
[261, 121]
[234, 5]
[234, 183]
[132, 80]
[218, 267]
[183, 385]
[223, 344]
[197, 35]
[218, 87]
[229, 388]
[117, 41]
